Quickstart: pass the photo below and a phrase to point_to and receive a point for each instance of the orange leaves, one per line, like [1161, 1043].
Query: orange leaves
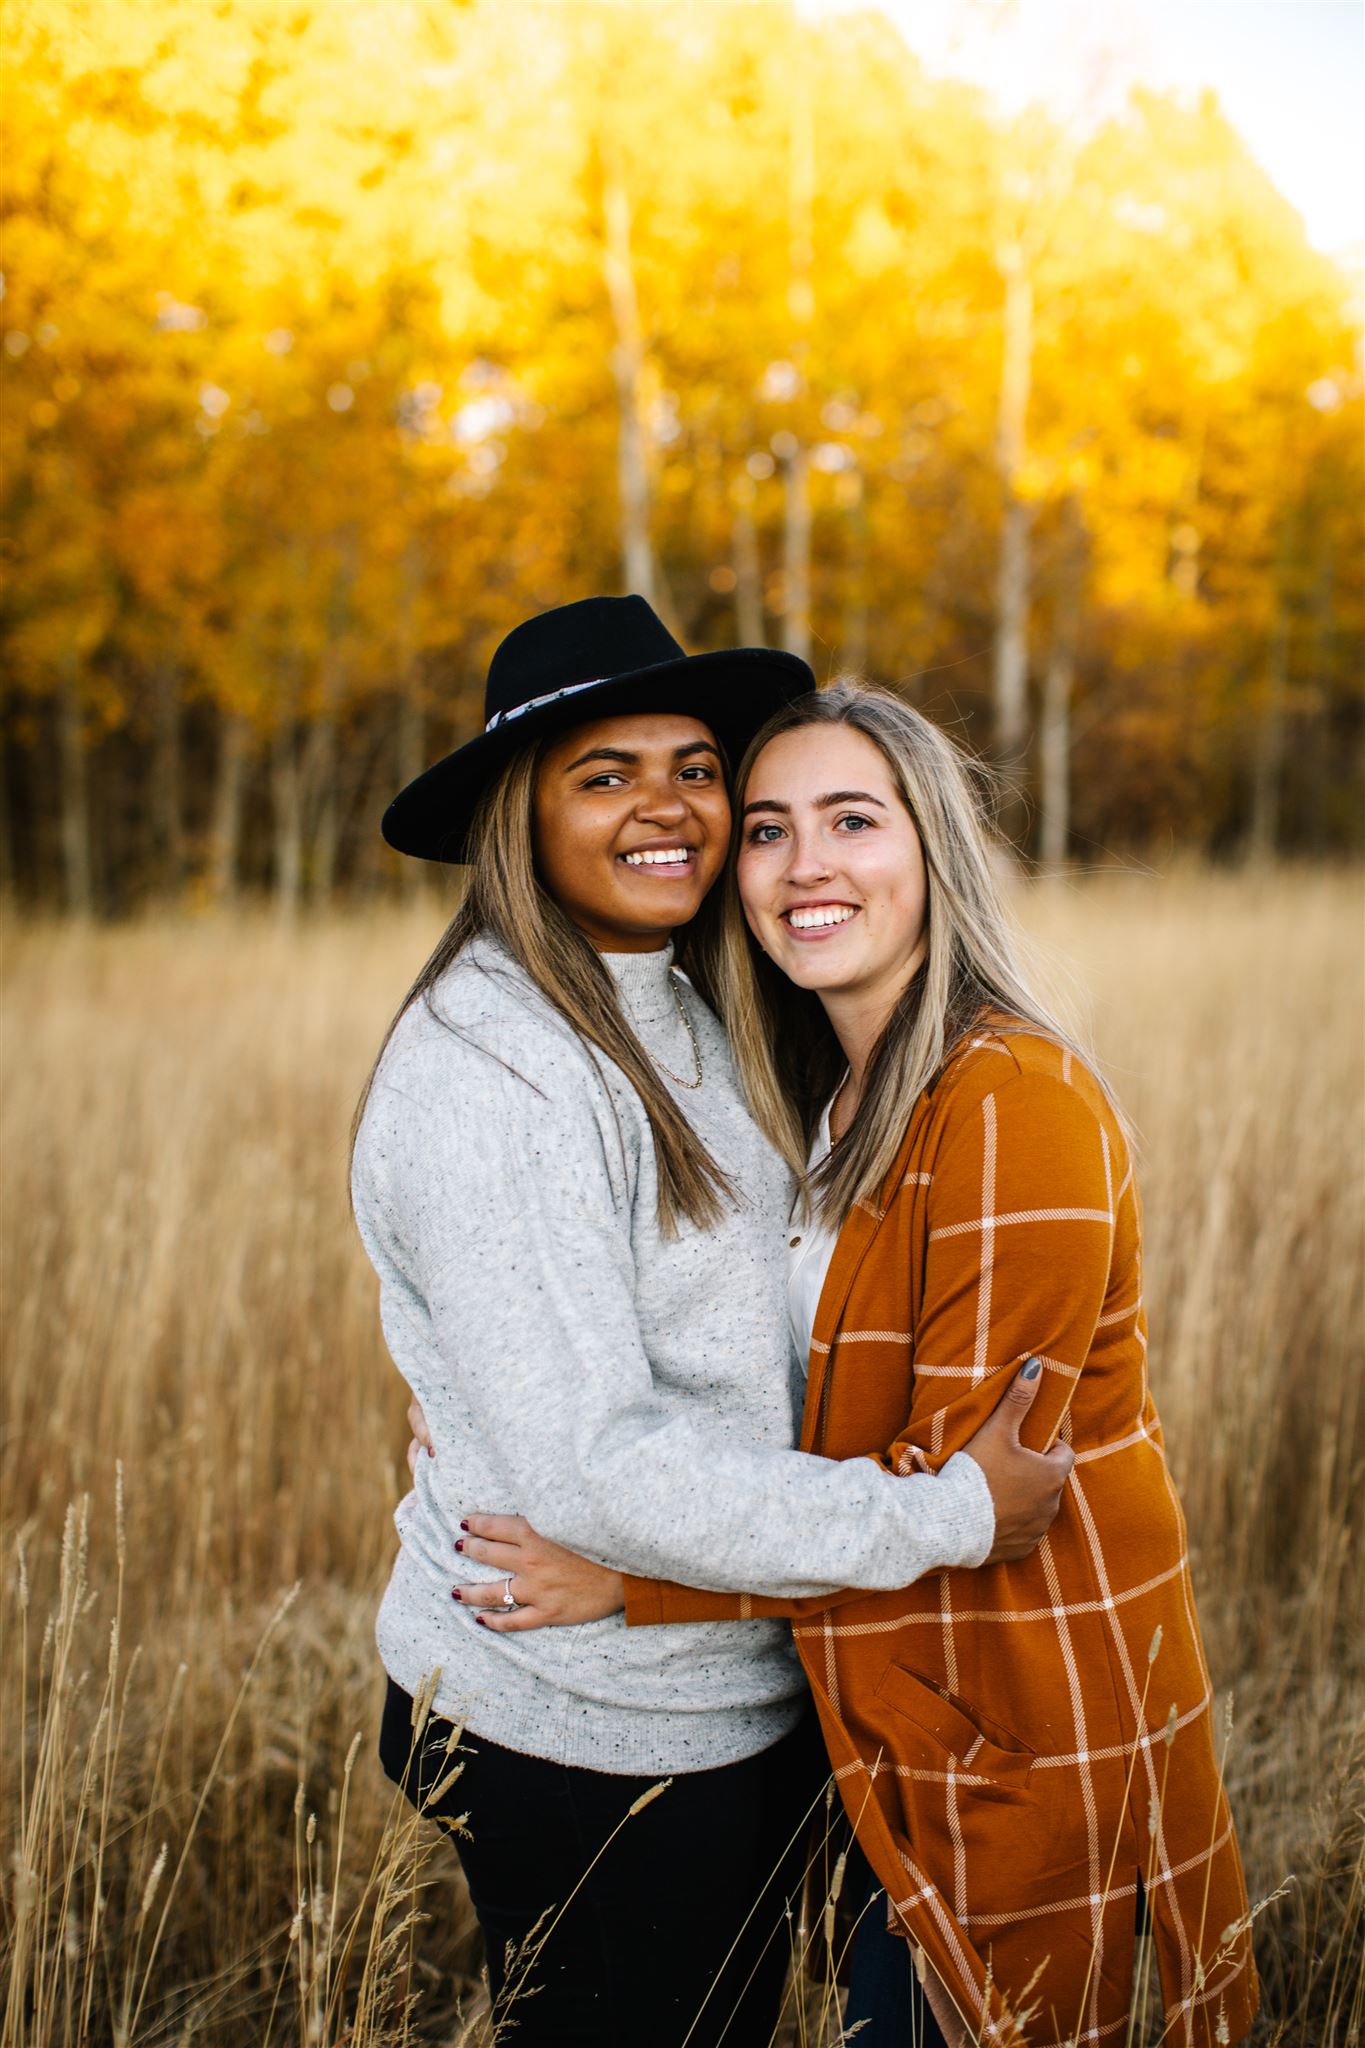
[309, 339]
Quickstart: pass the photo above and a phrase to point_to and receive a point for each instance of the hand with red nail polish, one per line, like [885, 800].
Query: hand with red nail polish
[550, 1586]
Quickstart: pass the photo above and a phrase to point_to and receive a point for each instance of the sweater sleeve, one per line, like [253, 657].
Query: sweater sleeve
[1021, 1221]
[531, 1306]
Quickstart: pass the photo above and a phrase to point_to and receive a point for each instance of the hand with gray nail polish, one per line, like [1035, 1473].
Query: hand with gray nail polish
[1026, 1486]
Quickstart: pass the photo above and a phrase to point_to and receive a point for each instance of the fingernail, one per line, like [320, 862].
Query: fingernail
[465, 1527]
[456, 1594]
[458, 1544]
[431, 1450]
[480, 1620]
[1030, 1372]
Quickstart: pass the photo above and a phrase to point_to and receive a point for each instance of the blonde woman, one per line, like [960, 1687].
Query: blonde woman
[578, 1231]
[1025, 1750]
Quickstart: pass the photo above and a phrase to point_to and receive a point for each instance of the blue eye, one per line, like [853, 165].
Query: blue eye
[854, 819]
[757, 835]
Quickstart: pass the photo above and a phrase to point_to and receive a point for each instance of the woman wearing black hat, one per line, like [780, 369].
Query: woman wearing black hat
[579, 1236]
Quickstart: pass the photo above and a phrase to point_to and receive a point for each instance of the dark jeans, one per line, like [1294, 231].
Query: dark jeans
[883, 1990]
[673, 1930]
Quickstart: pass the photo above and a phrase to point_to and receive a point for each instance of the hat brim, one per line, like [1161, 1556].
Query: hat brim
[734, 690]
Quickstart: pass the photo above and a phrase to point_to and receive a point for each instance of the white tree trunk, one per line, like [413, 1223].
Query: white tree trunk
[1054, 828]
[77, 867]
[6, 838]
[1267, 755]
[412, 723]
[286, 789]
[745, 563]
[1268, 737]
[1054, 750]
[226, 830]
[1014, 565]
[796, 513]
[166, 798]
[1011, 634]
[854, 649]
[796, 552]
[1314, 747]
[320, 777]
[627, 362]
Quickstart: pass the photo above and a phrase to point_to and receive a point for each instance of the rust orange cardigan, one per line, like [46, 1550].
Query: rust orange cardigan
[1013, 1752]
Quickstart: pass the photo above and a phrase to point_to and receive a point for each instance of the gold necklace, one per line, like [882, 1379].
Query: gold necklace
[687, 1027]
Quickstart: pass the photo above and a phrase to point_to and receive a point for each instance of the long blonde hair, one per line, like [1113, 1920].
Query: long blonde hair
[788, 1056]
[506, 900]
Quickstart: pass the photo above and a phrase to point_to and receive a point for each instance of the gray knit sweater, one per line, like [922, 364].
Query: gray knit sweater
[634, 1395]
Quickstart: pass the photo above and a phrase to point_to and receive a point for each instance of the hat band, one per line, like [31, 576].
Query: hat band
[539, 703]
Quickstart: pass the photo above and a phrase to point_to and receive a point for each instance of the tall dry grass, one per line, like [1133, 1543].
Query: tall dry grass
[199, 1414]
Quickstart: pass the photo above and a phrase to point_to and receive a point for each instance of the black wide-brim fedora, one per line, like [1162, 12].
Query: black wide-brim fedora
[603, 657]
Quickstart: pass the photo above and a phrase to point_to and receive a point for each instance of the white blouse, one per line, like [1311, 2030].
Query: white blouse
[810, 1247]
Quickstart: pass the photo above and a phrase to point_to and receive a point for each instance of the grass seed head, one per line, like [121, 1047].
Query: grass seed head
[647, 1798]
[153, 1880]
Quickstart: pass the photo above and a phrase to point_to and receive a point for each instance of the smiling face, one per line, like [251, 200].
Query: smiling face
[831, 871]
[631, 824]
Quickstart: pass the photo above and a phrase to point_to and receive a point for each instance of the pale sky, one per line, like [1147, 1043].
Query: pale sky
[1289, 74]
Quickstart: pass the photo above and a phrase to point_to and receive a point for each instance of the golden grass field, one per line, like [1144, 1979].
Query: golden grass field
[197, 1844]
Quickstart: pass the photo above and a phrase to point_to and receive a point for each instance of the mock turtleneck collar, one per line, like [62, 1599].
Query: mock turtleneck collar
[641, 977]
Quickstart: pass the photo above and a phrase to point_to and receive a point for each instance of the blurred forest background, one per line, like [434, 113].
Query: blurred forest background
[339, 338]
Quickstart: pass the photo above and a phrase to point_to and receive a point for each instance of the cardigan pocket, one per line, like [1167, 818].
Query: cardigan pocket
[979, 1748]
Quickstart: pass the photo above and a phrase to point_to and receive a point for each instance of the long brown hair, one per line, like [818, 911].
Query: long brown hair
[505, 899]
[788, 1055]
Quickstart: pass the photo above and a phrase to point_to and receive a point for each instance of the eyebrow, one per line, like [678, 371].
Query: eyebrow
[630, 760]
[822, 803]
